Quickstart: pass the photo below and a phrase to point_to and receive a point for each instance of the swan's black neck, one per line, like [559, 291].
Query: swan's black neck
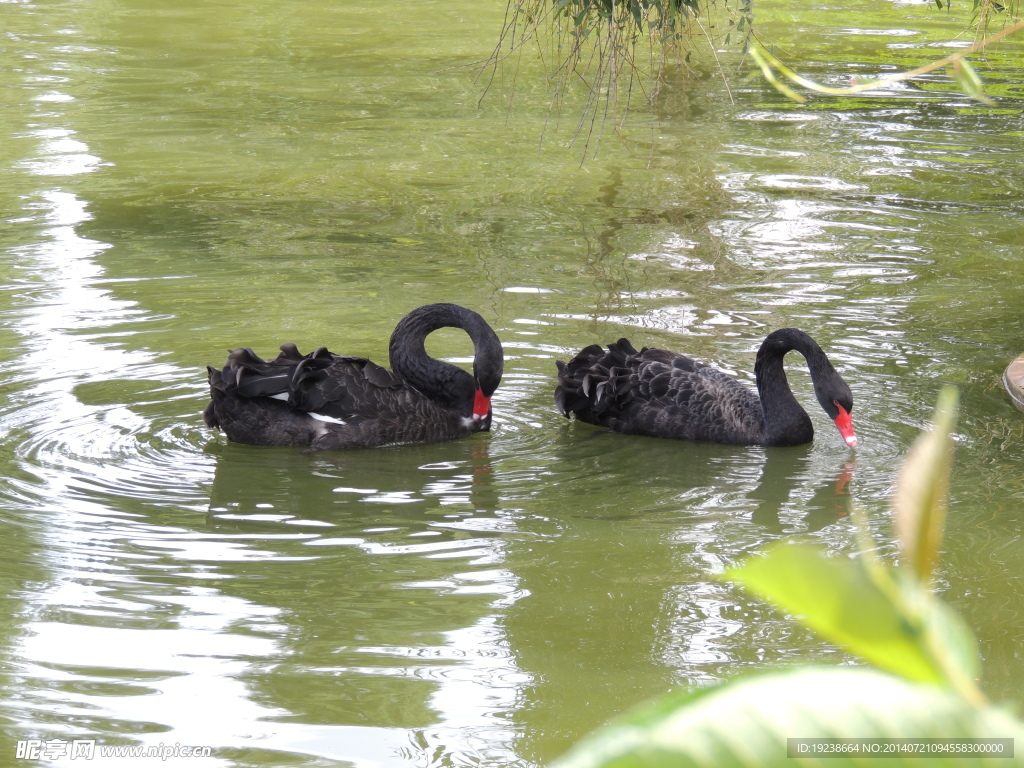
[785, 421]
[447, 384]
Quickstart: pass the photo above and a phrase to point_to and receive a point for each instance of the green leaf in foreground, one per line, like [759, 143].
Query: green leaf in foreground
[854, 603]
[919, 504]
[748, 722]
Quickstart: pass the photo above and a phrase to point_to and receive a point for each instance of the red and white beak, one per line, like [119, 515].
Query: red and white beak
[481, 406]
[844, 422]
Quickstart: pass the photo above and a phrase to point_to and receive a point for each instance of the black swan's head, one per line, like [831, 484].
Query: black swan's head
[447, 384]
[488, 366]
[830, 389]
[835, 397]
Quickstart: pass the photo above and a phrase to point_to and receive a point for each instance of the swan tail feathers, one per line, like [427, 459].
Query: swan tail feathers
[596, 384]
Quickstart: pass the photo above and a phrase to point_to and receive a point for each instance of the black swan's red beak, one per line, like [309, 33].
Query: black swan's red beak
[481, 406]
[844, 422]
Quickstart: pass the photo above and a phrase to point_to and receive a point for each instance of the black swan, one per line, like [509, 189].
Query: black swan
[664, 394]
[326, 401]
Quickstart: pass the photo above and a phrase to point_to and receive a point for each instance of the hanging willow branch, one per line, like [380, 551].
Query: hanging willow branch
[618, 49]
[962, 70]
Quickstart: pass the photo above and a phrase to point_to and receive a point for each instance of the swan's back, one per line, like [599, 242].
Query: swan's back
[323, 401]
[657, 393]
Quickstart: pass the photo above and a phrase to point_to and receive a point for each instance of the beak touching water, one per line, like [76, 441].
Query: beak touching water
[844, 422]
[481, 406]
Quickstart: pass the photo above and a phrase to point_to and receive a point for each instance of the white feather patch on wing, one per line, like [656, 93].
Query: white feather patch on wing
[279, 396]
[328, 419]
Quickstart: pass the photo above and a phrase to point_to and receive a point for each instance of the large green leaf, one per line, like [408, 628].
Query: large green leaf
[944, 637]
[856, 604]
[747, 722]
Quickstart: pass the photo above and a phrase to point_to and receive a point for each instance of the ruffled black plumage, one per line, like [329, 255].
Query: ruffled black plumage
[660, 393]
[329, 401]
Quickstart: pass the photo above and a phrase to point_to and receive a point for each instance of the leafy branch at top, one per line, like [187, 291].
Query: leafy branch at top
[616, 49]
[620, 51]
[963, 72]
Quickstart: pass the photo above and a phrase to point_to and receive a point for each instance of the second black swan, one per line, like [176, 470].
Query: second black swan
[326, 401]
[660, 393]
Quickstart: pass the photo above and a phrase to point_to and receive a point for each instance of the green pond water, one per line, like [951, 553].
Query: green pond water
[181, 178]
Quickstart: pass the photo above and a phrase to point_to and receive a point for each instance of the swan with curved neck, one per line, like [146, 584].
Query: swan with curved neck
[326, 401]
[660, 393]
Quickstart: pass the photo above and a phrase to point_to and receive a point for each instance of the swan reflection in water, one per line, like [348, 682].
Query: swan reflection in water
[786, 472]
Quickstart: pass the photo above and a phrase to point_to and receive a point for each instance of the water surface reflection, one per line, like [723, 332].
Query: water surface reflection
[483, 602]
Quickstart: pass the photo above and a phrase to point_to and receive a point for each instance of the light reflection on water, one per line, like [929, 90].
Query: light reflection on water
[486, 601]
